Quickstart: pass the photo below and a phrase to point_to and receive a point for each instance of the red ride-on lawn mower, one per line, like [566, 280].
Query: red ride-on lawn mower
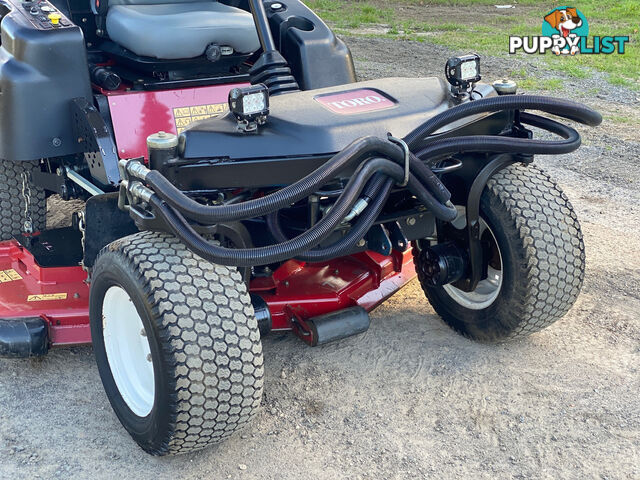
[238, 180]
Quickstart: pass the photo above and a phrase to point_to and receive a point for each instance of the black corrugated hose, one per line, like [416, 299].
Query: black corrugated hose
[555, 106]
[352, 155]
[358, 230]
[173, 206]
[247, 257]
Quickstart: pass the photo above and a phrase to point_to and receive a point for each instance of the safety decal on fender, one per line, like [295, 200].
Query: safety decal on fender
[355, 101]
[185, 116]
[46, 296]
[9, 276]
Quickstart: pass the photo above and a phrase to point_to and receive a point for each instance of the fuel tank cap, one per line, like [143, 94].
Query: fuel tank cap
[505, 87]
[162, 141]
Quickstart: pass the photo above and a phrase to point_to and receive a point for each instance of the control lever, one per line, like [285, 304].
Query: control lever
[271, 68]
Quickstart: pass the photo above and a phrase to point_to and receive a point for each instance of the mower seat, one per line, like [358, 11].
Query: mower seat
[179, 30]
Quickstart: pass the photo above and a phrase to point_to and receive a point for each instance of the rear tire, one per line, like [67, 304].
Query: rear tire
[199, 332]
[12, 200]
[541, 259]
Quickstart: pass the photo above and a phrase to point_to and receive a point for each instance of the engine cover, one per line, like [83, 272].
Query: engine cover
[305, 129]
[323, 122]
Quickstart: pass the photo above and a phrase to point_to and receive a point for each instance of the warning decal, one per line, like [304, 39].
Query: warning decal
[185, 116]
[9, 276]
[46, 296]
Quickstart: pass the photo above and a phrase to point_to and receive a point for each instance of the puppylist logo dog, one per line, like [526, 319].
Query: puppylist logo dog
[565, 31]
[565, 21]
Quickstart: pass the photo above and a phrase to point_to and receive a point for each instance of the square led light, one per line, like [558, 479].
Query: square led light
[463, 71]
[251, 100]
[468, 70]
[254, 103]
[250, 106]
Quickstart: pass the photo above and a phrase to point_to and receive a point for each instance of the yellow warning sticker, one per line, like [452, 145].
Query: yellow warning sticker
[46, 296]
[9, 276]
[185, 116]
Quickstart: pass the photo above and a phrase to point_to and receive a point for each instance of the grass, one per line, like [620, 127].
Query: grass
[488, 33]
[619, 119]
[345, 14]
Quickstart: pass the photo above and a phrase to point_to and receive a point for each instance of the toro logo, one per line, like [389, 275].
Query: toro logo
[355, 101]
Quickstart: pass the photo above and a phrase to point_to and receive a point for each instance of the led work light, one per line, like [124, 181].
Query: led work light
[463, 72]
[250, 106]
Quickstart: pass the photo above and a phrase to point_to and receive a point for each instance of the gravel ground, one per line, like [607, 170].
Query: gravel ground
[408, 399]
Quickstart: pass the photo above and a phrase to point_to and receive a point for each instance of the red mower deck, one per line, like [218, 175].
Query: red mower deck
[60, 295]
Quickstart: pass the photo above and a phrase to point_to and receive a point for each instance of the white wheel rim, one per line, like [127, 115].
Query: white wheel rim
[488, 289]
[128, 351]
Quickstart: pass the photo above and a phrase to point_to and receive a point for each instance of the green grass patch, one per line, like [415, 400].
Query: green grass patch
[528, 82]
[343, 14]
[619, 119]
[480, 33]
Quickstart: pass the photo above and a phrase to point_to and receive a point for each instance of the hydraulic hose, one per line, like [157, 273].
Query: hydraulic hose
[446, 146]
[560, 107]
[347, 243]
[497, 144]
[275, 253]
[308, 239]
[351, 155]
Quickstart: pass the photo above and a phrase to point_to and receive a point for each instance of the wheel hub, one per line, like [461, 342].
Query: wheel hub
[128, 351]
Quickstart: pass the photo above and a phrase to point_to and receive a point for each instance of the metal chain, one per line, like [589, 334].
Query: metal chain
[82, 226]
[26, 195]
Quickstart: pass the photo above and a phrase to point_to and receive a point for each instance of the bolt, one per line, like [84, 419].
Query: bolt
[148, 357]
[361, 242]
[336, 271]
[143, 332]
[411, 221]
[56, 142]
[76, 295]
[286, 283]
[276, 6]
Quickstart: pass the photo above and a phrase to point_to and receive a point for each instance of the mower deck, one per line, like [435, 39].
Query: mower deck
[59, 295]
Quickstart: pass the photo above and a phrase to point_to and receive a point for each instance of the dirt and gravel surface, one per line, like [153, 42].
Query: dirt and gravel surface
[410, 398]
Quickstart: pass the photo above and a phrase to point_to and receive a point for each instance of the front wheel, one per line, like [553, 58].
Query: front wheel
[176, 342]
[534, 260]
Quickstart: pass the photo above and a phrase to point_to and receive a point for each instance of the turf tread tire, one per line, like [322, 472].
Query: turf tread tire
[208, 336]
[539, 221]
[12, 202]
